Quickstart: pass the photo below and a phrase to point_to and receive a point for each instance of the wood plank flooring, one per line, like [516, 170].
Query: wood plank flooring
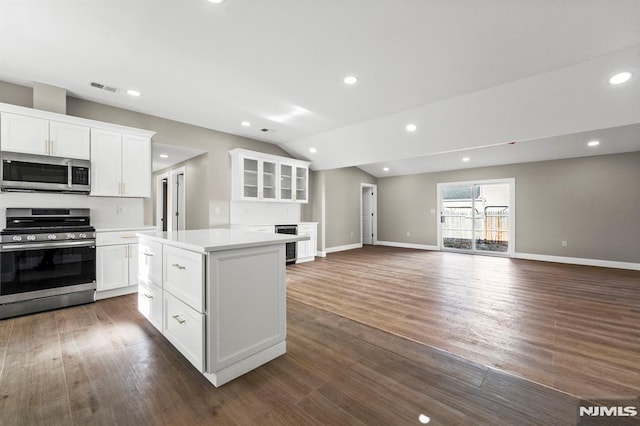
[572, 328]
[104, 364]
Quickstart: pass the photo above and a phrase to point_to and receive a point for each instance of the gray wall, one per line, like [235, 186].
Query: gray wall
[591, 202]
[314, 210]
[16, 95]
[342, 205]
[197, 172]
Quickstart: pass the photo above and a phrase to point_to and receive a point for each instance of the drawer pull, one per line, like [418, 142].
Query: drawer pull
[176, 265]
[148, 254]
[148, 296]
[177, 318]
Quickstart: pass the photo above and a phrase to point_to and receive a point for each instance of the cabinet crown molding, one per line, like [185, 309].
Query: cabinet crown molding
[54, 116]
[263, 156]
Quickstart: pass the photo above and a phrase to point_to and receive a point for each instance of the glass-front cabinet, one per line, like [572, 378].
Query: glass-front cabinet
[302, 184]
[259, 179]
[286, 182]
[262, 177]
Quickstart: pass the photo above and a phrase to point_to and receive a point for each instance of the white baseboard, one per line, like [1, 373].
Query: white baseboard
[407, 245]
[579, 261]
[321, 253]
[342, 248]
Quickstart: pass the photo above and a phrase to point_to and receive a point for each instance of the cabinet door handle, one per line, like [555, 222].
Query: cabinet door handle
[124, 188]
[178, 266]
[126, 251]
[177, 318]
[148, 254]
[51, 147]
[46, 146]
[148, 296]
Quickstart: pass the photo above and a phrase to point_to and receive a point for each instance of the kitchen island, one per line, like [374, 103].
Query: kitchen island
[218, 295]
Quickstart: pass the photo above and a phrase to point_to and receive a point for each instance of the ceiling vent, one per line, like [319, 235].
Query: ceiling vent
[104, 87]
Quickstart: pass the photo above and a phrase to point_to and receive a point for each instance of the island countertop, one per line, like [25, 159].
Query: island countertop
[208, 240]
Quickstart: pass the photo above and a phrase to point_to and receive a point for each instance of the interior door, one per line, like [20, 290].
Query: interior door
[367, 230]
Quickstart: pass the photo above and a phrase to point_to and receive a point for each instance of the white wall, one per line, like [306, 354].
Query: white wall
[257, 213]
[106, 212]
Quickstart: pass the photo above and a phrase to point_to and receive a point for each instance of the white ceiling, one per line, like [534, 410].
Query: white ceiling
[470, 74]
[165, 155]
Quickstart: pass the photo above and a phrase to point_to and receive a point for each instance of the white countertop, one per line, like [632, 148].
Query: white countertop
[127, 229]
[205, 240]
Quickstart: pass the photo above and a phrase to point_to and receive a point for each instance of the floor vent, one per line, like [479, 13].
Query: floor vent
[104, 87]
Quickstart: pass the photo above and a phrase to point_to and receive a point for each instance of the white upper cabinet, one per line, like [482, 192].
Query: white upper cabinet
[69, 140]
[120, 164]
[33, 135]
[262, 177]
[136, 166]
[294, 183]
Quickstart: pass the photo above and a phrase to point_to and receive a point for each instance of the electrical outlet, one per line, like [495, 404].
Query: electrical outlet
[351, 235]
[564, 243]
[432, 211]
[119, 210]
[408, 234]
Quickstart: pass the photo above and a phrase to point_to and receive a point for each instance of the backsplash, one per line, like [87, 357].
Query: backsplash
[106, 212]
[257, 213]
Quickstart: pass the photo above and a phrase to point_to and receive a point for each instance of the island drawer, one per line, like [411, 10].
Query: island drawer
[183, 276]
[150, 262]
[150, 303]
[184, 328]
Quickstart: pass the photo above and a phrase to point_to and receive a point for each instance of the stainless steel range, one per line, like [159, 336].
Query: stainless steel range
[47, 260]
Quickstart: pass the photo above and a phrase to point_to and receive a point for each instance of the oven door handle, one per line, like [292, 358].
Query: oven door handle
[22, 247]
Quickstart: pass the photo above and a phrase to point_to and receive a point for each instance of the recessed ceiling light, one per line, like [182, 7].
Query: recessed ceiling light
[593, 143]
[132, 92]
[620, 78]
[466, 159]
[350, 79]
[216, 1]
[164, 156]
[411, 127]
[245, 124]
[386, 169]
[313, 150]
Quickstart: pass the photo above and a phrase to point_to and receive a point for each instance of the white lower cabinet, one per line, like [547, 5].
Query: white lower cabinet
[307, 249]
[116, 263]
[184, 328]
[243, 290]
[183, 275]
[150, 303]
[171, 296]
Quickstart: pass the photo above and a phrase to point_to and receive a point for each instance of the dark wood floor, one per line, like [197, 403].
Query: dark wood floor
[572, 328]
[104, 364]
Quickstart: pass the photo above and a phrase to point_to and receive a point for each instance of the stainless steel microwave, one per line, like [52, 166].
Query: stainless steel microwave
[30, 172]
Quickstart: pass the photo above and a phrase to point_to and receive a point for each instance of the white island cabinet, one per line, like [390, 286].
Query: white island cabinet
[218, 295]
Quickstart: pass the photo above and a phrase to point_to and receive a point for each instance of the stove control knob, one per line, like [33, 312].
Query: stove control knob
[71, 236]
[16, 238]
[52, 236]
[31, 237]
[83, 235]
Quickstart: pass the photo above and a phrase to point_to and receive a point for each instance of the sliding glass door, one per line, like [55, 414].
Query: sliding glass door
[477, 217]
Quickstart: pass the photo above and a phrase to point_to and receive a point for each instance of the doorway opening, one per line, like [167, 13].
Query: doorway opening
[368, 213]
[171, 200]
[477, 217]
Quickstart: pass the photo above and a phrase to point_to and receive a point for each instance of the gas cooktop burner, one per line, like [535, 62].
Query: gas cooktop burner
[51, 225]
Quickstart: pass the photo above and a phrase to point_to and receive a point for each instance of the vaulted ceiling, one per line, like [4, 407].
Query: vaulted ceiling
[471, 76]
